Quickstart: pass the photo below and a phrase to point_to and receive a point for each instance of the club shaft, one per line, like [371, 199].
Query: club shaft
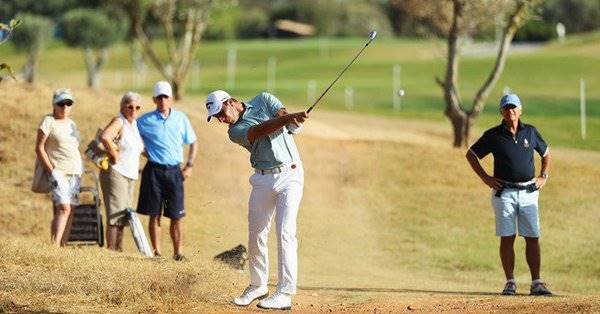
[337, 78]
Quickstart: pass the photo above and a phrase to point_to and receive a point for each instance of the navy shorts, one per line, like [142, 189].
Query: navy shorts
[161, 189]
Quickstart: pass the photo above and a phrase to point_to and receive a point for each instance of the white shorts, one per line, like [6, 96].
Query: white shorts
[67, 193]
[516, 207]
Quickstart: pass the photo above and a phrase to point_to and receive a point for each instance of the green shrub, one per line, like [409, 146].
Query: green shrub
[536, 31]
[33, 33]
[222, 22]
[253, 24]
[91, 28]
[336, 18]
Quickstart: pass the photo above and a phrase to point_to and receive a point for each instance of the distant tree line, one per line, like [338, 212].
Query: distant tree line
[576, 15]
[256, 18]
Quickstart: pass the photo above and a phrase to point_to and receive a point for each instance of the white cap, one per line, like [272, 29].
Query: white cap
[162, 88]
[62, 94]
[215, 101]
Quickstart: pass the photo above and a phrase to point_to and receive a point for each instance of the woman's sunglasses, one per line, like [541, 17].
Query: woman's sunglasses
[65, 103]
[130, 107]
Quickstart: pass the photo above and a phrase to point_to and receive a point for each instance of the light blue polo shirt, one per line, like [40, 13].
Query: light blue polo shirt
[164, 138]
[267, 151]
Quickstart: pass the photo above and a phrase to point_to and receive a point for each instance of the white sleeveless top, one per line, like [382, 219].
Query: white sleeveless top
[130, 148]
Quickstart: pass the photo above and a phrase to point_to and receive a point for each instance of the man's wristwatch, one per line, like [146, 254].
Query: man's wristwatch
[189, 164]
[545, 175]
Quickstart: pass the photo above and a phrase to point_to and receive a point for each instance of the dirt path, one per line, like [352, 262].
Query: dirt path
[316, 300]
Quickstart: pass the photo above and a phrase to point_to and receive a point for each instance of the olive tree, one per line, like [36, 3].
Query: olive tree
[460, 19]
[182, 23]
[94, 31]
[32, 37]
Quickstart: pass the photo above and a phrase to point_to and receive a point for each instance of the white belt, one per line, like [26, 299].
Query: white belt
[526, 183]
[278, 169]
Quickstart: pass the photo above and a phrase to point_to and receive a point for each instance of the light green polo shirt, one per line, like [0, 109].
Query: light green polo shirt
[269, 151]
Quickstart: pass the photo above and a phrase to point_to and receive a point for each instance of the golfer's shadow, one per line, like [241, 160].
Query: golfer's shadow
[398, 290]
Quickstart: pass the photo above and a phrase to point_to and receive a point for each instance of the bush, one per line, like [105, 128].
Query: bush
[336, 18]
[576, 15]
[222, 22]
[359, 18]
[33, 33]
[91, 28]
[253, 24]
[536, 31]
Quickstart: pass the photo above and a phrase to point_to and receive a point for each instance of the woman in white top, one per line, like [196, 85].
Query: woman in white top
[124, 145]
[57, 149]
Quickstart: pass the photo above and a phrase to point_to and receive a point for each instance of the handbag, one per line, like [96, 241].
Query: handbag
[41, 179]
[96, 152]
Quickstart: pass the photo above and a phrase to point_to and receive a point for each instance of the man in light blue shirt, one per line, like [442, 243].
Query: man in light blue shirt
[164, 132]
[261, 126]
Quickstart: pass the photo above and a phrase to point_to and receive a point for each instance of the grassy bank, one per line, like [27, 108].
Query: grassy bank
[388, 207]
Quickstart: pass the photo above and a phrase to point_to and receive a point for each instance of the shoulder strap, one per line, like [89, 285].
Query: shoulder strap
[120, 133]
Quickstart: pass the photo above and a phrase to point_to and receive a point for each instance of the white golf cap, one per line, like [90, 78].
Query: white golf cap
[162, 88]
[215, 101]
[61, 95]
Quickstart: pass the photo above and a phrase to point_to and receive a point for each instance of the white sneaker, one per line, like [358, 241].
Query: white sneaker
[250, 294]
[277, 301]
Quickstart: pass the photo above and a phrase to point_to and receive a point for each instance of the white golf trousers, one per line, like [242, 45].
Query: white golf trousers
[279, 194]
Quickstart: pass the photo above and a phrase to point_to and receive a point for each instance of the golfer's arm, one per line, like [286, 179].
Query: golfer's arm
[269, 126]
[193, 151]
[474, 162]
[546, 163]
[40, 150]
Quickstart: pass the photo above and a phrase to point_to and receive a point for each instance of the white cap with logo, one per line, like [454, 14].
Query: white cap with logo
[162, 88]
[215, 101]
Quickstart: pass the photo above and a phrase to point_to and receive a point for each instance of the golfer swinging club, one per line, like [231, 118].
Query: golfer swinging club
[261, 126]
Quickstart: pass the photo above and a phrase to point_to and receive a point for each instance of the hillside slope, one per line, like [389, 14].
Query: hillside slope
[392, 217]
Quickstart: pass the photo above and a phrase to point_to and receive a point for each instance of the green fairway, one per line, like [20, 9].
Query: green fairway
[546, 78]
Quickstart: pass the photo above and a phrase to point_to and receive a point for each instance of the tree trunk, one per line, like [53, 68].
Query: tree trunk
[137, 56]
[462, 120]
[177, 90]
[461, 127]
[179, 55]
[30, 66]
[94, 66]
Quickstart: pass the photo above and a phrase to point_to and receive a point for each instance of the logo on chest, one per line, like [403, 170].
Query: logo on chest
[525, 143]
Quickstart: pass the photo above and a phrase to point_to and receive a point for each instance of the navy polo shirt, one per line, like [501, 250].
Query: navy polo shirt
[513, 156]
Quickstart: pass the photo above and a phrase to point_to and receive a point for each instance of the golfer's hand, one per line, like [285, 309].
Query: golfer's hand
[539, 182]
[293, 128]
[492, 183]
[186, 172]
[298, 118]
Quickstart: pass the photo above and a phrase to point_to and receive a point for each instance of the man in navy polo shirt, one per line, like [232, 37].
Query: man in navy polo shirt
[164, 132]
[515, 187]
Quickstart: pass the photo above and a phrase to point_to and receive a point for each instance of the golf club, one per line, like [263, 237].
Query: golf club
[372, 36]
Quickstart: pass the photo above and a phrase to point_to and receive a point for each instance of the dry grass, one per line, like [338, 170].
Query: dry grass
[390, 211]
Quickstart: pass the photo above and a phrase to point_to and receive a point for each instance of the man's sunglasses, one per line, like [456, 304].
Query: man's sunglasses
[65, 103]
[130, 107]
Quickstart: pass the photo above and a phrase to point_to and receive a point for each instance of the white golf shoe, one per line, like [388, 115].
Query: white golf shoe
[277, 301]
[250, 294]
